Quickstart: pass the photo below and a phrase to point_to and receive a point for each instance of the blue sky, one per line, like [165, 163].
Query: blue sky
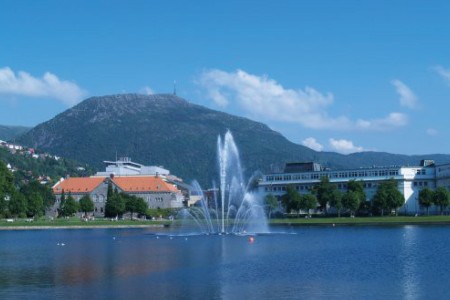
[341, 76]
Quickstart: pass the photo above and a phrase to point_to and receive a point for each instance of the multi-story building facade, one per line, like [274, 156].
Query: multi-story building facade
[148, 183]
[410, 180]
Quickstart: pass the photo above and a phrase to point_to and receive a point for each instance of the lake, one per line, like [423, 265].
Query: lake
[316, 262]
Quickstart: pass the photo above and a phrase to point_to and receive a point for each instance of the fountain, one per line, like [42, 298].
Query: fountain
[234, 209]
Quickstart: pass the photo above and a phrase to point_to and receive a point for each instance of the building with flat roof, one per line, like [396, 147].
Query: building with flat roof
[410, 180]
[124, 167]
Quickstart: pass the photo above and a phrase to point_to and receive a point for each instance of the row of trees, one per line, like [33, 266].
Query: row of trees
[68, 206]
[325, 194]
[440, 197]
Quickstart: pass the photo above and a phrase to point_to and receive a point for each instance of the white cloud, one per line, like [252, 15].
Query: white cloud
[312, 143]
[263, 97]
[394, 119]
[445, 73]
[344, 146]
[432, 132]
[23, 84]
[147, 90]
[260, 95]
[407, 96]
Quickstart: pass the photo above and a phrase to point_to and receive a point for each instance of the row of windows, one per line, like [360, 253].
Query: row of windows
[156, 199]
[420, 183]
[341, 186]
[347, 174]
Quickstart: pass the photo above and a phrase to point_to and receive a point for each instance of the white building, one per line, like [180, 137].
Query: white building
[125, 167]
[410, 180]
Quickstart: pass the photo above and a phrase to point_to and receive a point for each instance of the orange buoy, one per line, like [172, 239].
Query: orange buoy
[251, 239]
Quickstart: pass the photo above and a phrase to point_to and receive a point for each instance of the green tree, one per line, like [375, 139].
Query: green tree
[426, 199]
[134, 204]
[69, 207]
[307, 202]
[351, 201]
[395, 198]
[6, 186]
[115, 205]
[45, 192]
[18, 205]
[380, 200]
[35, 205]
[441, 198]
[290, 199]
[388, 197]
[336, 201]
[358, 188]
[270, 204]
[324, 192]
[86, 204]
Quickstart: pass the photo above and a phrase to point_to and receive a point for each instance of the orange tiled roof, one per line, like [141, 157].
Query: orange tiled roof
[143, 184]
[78, 185]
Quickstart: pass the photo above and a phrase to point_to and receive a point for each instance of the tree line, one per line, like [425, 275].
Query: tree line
[387, 199]
[27, 200]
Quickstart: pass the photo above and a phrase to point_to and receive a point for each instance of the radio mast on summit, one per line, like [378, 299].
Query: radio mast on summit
[174, 87]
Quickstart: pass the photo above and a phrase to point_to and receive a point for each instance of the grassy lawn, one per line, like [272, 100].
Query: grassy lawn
[388, 220]
[77, 222]
[364, 220]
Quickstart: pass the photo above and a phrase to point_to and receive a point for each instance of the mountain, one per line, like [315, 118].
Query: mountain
[8, 133]
[181, 136]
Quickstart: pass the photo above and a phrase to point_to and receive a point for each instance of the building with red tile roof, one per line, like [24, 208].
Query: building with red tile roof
[156, 191]
[77, 185]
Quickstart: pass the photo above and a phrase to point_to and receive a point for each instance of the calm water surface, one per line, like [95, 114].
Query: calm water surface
[407, 262]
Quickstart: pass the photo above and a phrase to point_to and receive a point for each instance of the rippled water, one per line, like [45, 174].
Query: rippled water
[402, 262]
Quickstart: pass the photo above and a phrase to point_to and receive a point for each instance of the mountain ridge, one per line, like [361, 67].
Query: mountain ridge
[8, 132]
[170, 131]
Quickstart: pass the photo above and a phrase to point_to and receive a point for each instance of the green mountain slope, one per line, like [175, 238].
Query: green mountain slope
[8, 133]
[169, 131]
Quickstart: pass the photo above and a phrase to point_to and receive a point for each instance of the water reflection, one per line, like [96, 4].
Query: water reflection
[408, 254]
[316, 263]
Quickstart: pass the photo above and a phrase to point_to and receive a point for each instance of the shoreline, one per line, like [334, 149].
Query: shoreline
[427, 223]
[55, 227]
[326, 221]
